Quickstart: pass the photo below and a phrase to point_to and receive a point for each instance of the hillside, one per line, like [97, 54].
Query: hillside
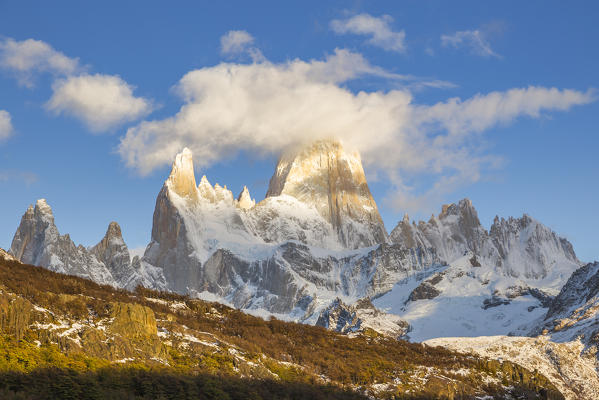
[67, 337]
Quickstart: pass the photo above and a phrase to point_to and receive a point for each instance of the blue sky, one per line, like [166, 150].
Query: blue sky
[381, 75]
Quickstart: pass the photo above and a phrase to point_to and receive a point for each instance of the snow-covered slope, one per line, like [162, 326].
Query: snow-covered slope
[575, 376]
[38, 242]
[497, 282]
[574, 313]
[465, 300]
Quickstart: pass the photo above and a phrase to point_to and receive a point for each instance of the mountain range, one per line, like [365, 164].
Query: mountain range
[316, 251]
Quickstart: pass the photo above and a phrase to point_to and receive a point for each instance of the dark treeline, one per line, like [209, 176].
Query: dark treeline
[131, 383]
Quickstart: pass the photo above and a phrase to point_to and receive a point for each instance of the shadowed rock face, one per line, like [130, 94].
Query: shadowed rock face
[113, 252]
[521, 247]
[38, 242]
[325, 176]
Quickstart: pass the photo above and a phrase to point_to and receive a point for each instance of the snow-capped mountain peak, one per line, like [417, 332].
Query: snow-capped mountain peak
[323, 175]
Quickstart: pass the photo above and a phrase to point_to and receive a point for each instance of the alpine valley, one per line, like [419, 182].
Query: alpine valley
[315, 251]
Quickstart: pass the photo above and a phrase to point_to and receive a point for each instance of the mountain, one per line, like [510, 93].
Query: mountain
[325, 176]
[300, 249]
[37, 241]
[282, 255]
[520, 247]
[495, 282]
[573, 315]
[67, 337]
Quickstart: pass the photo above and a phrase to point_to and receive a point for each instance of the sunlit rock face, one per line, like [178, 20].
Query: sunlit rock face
[325, 176]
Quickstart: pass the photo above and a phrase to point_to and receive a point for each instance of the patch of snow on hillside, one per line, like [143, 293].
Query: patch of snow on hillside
[561, 363]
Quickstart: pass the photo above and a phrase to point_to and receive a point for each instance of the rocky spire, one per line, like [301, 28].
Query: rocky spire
[37, 225]
[113, 252]
[182, 179]
[38, 242]
[244, 199]
[332, 180]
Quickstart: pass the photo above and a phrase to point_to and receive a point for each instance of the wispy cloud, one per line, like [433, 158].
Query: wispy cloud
[378, 28]
[29, 57]
[100, 101]
[6, 128]
[474, 40]
[28, 178]
[235, 43]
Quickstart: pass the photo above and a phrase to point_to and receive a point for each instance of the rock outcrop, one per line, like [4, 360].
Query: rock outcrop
[113, 252]
[575, 377]
[6, 256]
[574, 312]
[361, 318]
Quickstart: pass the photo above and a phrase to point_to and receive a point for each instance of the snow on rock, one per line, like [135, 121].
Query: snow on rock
[498, 282]
[574, 313]
[466, 300]
[331, 180]
[38, 242]
[359, 317]
[574, 375]
[519, 247]
[280, 255]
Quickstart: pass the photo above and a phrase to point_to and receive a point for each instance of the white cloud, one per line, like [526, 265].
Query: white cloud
[381, 34]
[235, 42]
[473, 39]
[28, 178]
[5, 125]
[28, 57]
[265, 108]
[102, 102]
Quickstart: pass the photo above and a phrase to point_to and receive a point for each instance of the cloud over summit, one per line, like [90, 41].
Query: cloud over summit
[266, 107]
